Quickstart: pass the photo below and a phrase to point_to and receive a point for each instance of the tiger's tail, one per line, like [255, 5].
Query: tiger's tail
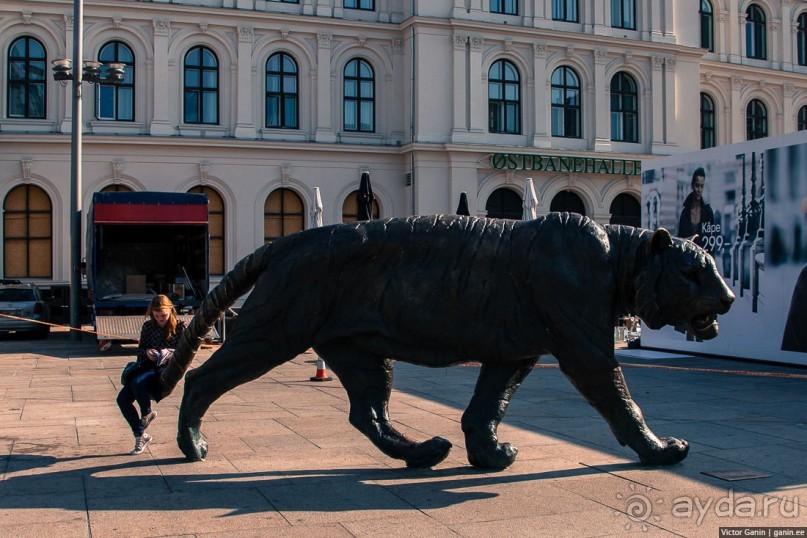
[234, 284]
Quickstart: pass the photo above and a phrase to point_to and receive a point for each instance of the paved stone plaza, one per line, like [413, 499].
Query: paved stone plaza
[285, 462]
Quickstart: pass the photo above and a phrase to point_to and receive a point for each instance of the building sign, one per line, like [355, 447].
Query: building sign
[563, 163]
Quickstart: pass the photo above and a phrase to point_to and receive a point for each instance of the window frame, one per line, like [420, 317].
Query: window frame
[26, 84]
[566, 110]
[628, 117]
[503, 7]
[498, 108]
[363, 5]
[756, 120]
[359, 98]
[707, 20]
[282, 95]
[27, 214]
[200, 90]
[219, 238]
[801, 39]
[283, 215]
[128, 82]
[708, 132]
[560, 10]
[801, 119]
[756, 33]
[623, 14]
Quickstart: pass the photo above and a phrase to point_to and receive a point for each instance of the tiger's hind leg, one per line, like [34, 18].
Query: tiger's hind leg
[367, 378]
[234, 364]
[494, 388]
[608, 393]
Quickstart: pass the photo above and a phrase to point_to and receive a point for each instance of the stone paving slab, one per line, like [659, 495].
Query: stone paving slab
[284, 460]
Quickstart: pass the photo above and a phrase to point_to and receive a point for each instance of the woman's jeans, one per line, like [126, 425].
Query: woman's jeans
[137, 389]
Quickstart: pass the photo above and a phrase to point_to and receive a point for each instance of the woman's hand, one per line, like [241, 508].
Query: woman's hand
[152, 355]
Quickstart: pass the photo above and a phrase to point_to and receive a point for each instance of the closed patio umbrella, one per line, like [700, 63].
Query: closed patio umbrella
[316, 210]
[530, 202]
[316, 222]
[462, 208]
[365, 197]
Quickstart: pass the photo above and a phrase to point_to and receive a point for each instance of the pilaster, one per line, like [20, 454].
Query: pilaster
[602, 96]
[244, 126]
[543, 105]
[161, 121]
[325, 132]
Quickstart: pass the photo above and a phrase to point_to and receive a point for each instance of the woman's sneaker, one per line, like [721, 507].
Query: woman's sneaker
[146, 420]
[140, 444]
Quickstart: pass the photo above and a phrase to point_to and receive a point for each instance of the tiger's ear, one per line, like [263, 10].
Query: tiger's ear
[660, 241]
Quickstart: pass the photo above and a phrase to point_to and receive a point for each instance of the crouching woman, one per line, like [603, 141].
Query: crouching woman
[159, 336]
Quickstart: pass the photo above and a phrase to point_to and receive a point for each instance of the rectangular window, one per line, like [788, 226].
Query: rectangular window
[505, 7]
[623, 14]
[368, 5]
[564, 10]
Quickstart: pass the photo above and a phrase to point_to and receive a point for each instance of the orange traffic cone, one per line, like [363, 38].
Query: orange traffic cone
[322, 373]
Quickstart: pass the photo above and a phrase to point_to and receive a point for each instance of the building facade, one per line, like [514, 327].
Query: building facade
[257, 102]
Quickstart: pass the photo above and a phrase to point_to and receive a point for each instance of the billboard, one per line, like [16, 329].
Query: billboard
[746, 204]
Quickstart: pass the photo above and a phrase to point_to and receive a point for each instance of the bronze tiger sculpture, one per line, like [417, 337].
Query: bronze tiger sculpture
[444, 290]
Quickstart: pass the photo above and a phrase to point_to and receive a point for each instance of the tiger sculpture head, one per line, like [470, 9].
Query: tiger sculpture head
[679, 285]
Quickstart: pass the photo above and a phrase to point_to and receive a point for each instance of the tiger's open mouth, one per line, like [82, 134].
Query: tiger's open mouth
[704, 326]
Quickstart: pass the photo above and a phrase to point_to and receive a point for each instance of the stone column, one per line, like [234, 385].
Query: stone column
[656, 15]
[775, 54]
[324, 97]
[737, 26]
[657, 98]
[459, 93]
[162, 99]
[67, 121]
[668, 26]
[722, 32]
[788, 111]
[736, 112]
[244, 125]
[602, 103]
[542, 102]
[788, 45]
[670, 133]
[476, 82]
[602, 16]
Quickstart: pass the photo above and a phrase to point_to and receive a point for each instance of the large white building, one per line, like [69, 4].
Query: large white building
[256, 102]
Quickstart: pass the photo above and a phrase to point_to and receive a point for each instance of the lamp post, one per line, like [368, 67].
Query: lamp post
[90, 72]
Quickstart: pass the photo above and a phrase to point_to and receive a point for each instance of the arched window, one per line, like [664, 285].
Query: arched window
[504, 203]
[801, 38]
[623, 14]
[282, 214]
[624, 108]
[350, 208]
[215, 223]
[27, 233]
[282, 92]
[755, 33]
[506, 7]
[756, 120]
[26, 79]
[566, 103]
[359, 97]
[707, 26]
[708, 138]
[564, 10]
[626, 210]
[201, 86]
[117, 187]
[504, 98]
[801, 121]
[116, 101]
[569, 202]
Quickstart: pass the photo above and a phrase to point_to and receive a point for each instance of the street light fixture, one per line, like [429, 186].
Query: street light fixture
[91, 72]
